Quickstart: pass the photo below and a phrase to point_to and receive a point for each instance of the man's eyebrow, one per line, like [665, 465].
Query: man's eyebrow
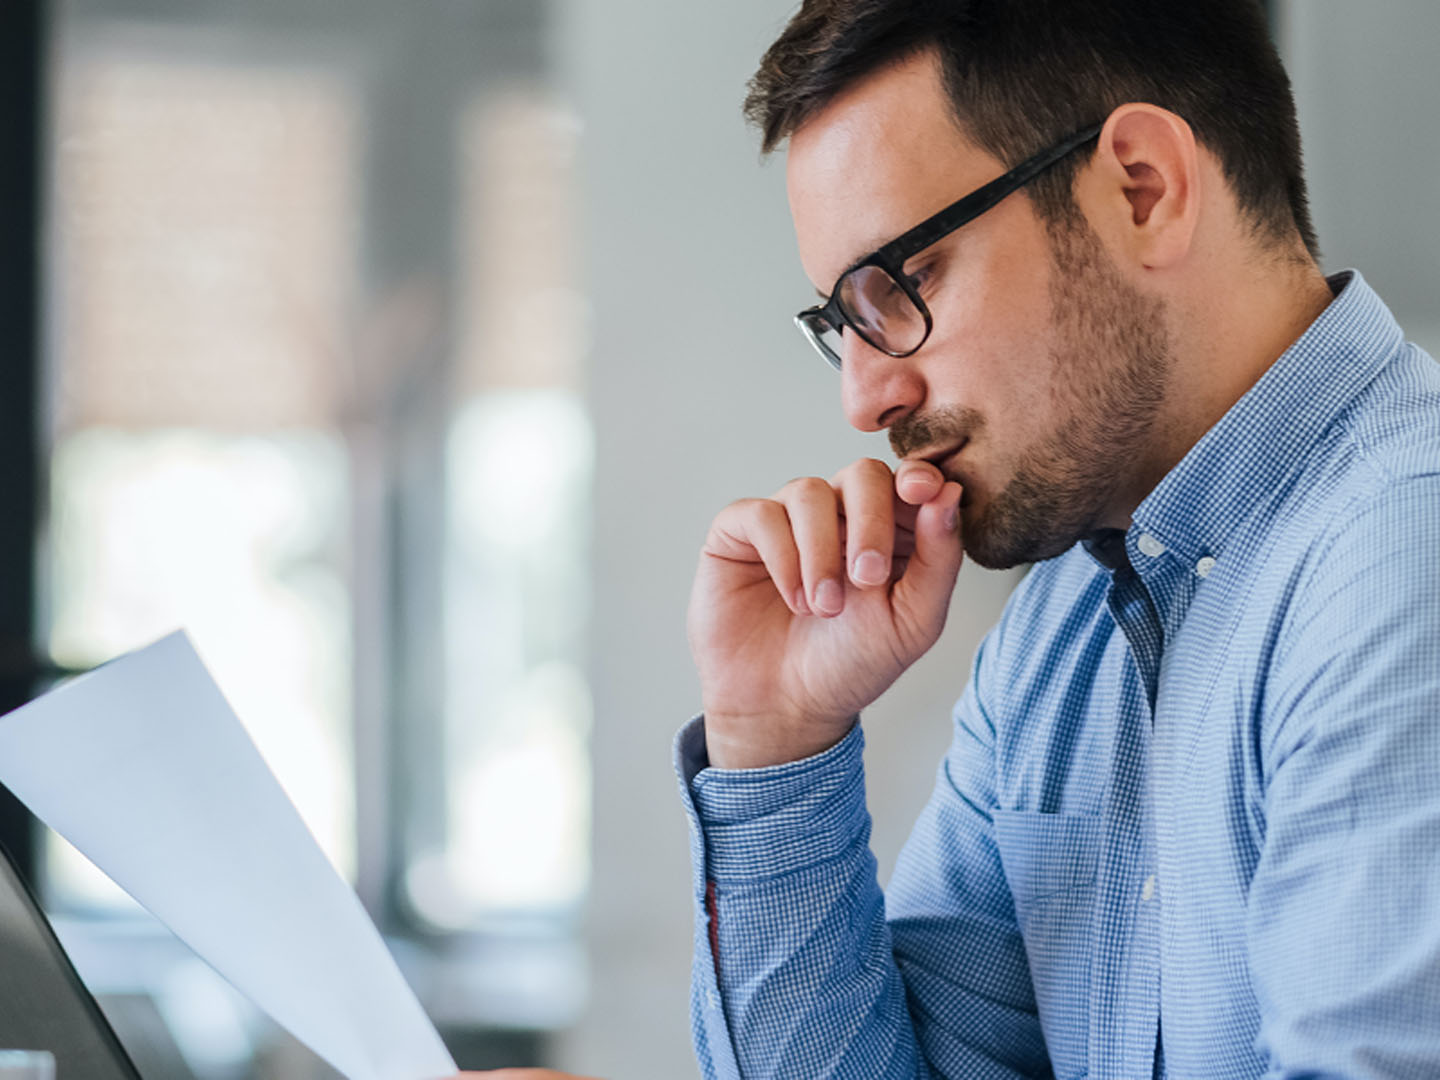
[859, 261]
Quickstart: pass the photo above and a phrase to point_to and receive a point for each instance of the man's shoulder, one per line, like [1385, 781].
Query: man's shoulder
[1395, 422]
[1383, 448]
[1361, 593]
[1358, 539]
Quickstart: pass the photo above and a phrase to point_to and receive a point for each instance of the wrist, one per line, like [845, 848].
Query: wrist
[734, 742]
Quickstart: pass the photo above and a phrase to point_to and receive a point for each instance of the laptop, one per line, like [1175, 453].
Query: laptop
[43, 1003]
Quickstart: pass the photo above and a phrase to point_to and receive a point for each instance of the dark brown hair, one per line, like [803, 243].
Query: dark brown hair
[1022, 74]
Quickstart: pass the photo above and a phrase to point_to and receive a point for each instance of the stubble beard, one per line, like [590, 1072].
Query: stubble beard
[1112, 362]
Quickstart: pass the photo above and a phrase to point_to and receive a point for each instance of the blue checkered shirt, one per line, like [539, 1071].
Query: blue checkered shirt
[1189, 824]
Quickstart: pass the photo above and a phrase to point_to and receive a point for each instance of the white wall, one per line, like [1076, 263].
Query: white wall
[702, 392]
[1367, 90]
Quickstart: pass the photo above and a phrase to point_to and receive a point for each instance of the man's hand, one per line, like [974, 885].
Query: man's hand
[808, 605]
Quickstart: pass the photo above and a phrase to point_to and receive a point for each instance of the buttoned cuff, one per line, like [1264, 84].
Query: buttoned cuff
[755, 824]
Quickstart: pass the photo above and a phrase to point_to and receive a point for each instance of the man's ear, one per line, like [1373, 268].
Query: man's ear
[1141, 190]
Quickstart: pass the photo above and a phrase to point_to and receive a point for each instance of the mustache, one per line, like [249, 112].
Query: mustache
[935, 429]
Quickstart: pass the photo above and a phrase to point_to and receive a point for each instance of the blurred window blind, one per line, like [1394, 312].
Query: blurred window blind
[199, 476]
[315, 369]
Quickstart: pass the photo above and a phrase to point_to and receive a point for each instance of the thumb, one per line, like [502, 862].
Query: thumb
[923, 592]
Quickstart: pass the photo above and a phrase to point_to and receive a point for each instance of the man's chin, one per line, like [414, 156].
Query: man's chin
[998, 540]
[977, 536]
[982, 553]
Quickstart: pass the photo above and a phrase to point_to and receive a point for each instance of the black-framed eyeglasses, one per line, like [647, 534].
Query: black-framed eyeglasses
[879, 301]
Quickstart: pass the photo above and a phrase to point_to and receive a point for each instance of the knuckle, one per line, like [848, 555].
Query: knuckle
[763, 511]
[808, 487]
[741, 511]
[769, 512]
[865, 470]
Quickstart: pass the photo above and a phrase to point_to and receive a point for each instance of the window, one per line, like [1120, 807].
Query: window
[315, 378]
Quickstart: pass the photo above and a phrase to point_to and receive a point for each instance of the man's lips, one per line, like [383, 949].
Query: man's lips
[946, 459]
[943, 457]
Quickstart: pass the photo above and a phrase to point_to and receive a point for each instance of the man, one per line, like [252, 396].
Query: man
[1189, 822]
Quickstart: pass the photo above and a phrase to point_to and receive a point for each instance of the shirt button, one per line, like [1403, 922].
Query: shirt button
[1150, 546]
[1204, 566]
[1147, 891]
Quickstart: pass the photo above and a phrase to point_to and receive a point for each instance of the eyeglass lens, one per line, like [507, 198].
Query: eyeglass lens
[881, 310]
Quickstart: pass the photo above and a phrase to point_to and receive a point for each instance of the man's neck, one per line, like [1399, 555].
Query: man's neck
[1225, 342]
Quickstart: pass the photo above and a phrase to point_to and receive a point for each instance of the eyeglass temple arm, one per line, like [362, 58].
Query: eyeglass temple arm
[981, 199]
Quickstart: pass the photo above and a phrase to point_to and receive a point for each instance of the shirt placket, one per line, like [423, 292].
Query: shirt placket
[1132, 890]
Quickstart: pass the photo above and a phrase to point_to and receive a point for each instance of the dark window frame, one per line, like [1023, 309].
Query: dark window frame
[22, 66]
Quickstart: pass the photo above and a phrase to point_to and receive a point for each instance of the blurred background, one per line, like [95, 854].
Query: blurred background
[403, 353]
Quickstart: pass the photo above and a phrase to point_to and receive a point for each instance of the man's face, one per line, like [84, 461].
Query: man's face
[1041, 381]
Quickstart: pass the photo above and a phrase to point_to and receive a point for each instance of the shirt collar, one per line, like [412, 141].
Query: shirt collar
[1240, 461]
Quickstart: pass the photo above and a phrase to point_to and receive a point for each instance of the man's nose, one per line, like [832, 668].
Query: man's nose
[876, 389]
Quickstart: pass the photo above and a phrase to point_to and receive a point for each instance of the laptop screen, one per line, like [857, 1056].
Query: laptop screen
[43, 1003]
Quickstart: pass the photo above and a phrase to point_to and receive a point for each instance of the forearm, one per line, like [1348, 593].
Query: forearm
[804, 981]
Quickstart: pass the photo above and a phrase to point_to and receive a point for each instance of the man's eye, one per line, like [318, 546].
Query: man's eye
[927, 271]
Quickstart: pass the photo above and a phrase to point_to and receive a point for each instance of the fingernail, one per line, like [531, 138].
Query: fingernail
[952, 517]
[829, 597]
[871, 568]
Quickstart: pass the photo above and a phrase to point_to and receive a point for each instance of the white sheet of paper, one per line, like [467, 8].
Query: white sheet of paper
[144, 767]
